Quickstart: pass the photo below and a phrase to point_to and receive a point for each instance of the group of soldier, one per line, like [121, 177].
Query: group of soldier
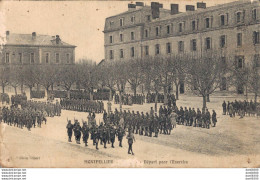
[240, 108]
[150, 98]
[128, 99]
[102, 134]
[82, 105]
[29, 114]
[17, 99]
[191, 117]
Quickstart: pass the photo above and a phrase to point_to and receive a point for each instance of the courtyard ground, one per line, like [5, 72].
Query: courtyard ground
[234, 142]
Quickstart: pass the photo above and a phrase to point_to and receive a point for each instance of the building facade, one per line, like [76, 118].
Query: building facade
[231, 30]
[22, 49]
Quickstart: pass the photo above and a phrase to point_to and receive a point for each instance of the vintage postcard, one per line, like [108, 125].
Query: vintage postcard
[118, 84]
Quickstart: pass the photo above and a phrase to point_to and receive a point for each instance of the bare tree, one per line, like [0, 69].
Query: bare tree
[67, 77]
[15, 77]
[204, 75]
[4, 76]
[134, 73]
[254, 77]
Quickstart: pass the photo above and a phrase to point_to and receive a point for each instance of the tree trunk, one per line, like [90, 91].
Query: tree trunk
[15, 90]
[110, 95]
[165, 95]
[120, 100]
[30, 92]
[91, 96]
[255, 98]
[204, 102]
[134, 91]
[177, 91]
[156, 100]
[68, 94]
[22, 88]
[38, 87]
[3, 89]
[208, 100]
[51, 87]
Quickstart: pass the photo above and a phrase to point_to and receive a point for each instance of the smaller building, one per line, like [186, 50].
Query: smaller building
[32, 48]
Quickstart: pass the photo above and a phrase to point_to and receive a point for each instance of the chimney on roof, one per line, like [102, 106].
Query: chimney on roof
[155, 7]
[174, 9]
[58, 39]
[201, 5]
[190, 8]
[33, 35]
[139, 5]
[131, 7]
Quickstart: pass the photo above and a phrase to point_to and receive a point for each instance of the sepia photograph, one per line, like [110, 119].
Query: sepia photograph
[125, 84]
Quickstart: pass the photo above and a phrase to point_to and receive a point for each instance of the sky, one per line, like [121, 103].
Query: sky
[79, 23]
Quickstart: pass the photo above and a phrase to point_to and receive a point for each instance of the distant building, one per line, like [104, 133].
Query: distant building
[231, 30]
[21, 49]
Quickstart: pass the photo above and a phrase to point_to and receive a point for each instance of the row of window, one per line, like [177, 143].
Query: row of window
[193, 45]
[32, 58]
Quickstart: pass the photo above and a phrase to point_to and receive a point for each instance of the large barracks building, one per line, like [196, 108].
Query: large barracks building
[231, 30]
[22, 49]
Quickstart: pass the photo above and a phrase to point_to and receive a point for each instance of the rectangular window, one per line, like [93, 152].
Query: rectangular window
[181, 46]
[240, 61]
[146, 33]
[121, 22]
[207, 22]
[111, 23]
[157, 31]
[68, 58]
[20, 58]
[111, 39]
[132, 36]
[180, 27]
[121, 53]
[239, 17]
[222, 20]
[148, 18]
[157, 49]
[168, 48]
[254, 15]
[32, 58]
[111, 54]
[121, 38]
[133, 19]
[47, 57]
[168, 29]
[193, 25]
[146, 49]
[7, 58]
[57, 58]
[256, 37]
[222, 41]
[208, 43]
[239, 39]
[194, 45]
[132, 52]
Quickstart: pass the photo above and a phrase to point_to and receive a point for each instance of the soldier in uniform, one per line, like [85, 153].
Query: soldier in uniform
[112, 136]
[214, 118]
[85, 132]
[208, 119]
[77, 132]
[120, 135]
[131, 140]
[69, 130]
[224, 106]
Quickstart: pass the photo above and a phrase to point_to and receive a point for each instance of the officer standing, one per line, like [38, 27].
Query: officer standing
[131, 140]
[69, 130]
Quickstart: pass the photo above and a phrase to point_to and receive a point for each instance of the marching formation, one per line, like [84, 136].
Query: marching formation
[82, 105]
[241, 108]
[128, 99]
[31, 114]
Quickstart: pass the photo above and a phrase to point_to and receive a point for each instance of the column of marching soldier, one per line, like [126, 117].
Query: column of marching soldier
[117, 123]
[241, 108]
[29, 114]
[82, 105]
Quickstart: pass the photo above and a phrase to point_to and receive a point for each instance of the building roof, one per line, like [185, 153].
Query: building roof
[39, 40]
[208, 9]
